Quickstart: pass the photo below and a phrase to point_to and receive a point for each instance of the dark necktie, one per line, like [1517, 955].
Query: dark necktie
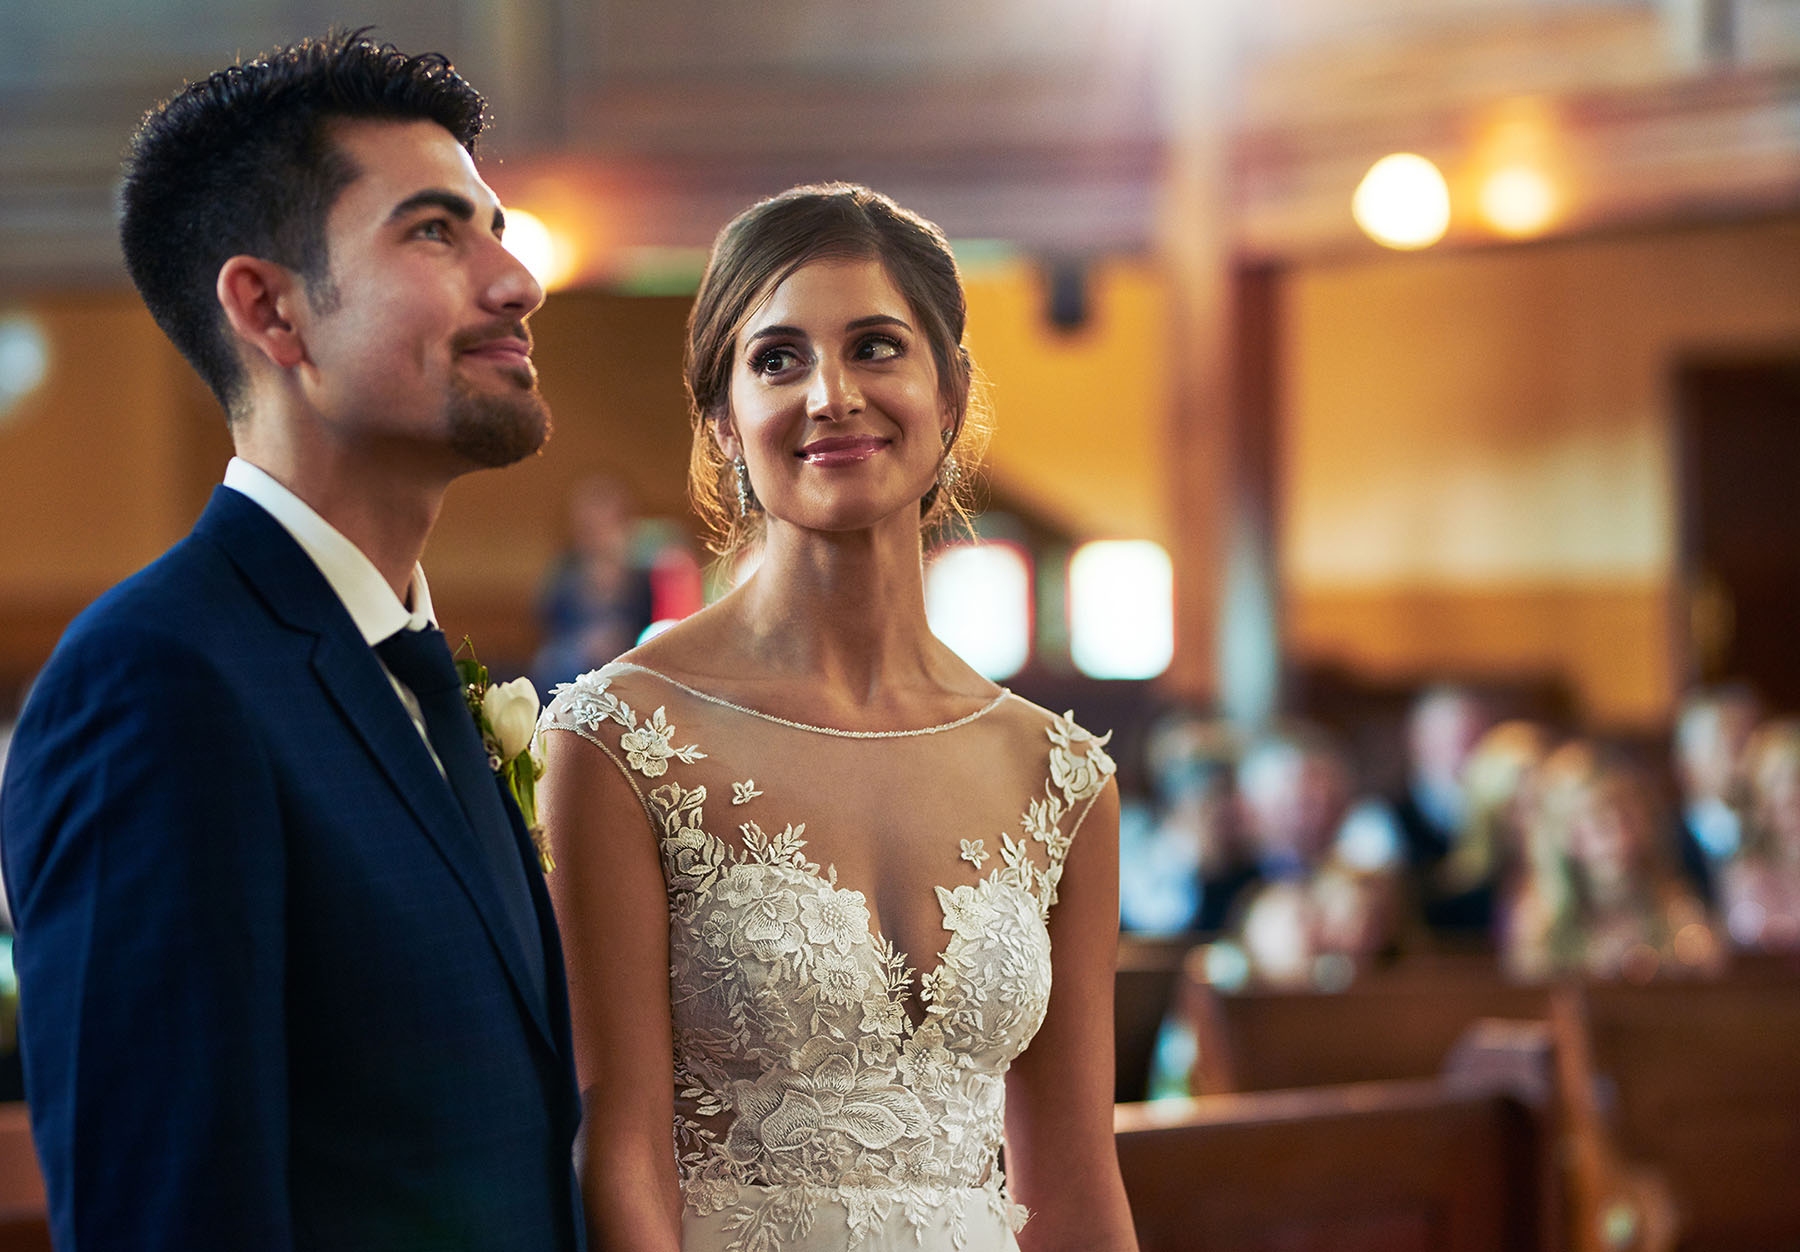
[421, 660]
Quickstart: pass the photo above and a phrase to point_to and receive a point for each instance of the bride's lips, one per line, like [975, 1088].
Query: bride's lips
[841, 450]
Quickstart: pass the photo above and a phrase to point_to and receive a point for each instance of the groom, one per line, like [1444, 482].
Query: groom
[288, 975]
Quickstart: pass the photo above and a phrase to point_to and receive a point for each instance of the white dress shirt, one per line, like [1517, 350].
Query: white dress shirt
[365, 594]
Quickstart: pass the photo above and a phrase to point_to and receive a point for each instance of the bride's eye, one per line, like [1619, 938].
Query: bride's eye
[774, 360]
[880, 348]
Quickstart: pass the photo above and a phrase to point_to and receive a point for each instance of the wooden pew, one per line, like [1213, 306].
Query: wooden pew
[1400, 1023]
[1412, 1165]
[1149, 971]
[1691, 1090]
[24, 1219]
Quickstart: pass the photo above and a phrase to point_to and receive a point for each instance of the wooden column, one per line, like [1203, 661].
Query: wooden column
[1220, 430]
[517, 53]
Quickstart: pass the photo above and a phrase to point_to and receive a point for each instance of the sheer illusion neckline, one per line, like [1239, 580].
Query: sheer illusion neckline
[836, 731]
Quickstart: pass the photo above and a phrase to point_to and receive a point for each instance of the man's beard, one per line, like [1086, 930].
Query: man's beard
[496, 430]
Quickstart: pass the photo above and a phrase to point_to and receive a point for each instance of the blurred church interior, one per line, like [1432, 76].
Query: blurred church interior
[1521, 419]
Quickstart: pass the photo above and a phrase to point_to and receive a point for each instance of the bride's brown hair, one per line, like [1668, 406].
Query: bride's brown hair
[755, 252]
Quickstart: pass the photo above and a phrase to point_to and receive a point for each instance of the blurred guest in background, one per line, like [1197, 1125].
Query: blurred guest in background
[1182, 860]
[596, 601]
[1320, 905]
[1488, 861]
[1602, 898]
[1760, 887]
[1432, 810]
[1712, 728]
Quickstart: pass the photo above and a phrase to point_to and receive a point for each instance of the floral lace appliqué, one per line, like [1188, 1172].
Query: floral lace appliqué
[801, 1077]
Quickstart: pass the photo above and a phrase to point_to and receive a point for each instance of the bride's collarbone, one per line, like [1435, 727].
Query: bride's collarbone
[806, 702]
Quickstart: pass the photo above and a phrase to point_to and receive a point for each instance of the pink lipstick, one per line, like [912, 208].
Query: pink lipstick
[841, 450]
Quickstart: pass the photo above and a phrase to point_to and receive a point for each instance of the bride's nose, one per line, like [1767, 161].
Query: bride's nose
[833, 394]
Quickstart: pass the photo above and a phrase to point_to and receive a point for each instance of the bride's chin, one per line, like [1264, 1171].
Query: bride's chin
[843, 516]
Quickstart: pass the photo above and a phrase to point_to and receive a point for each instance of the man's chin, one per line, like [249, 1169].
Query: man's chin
[491, 431]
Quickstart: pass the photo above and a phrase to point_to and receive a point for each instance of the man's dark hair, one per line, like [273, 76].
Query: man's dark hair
[243, 162]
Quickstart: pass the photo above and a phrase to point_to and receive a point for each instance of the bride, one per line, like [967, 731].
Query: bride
[812, 868]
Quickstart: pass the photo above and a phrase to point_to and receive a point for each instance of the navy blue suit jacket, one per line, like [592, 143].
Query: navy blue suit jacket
[268, 997]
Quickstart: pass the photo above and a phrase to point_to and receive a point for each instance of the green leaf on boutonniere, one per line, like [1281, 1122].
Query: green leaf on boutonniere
[520, 773]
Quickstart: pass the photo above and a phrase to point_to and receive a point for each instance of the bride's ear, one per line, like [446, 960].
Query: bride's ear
[725, 435]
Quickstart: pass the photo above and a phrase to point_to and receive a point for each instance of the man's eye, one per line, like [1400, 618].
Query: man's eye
[435, 228]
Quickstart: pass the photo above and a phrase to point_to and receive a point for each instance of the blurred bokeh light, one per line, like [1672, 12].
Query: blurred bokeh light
[1402, 202]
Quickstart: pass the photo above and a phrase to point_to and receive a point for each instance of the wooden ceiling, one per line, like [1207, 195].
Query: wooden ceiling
[1047, 124]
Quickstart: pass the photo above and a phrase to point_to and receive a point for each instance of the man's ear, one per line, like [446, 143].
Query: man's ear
[259, 298]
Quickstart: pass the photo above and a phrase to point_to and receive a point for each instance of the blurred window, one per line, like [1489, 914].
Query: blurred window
[978, 601]
[1121, 609]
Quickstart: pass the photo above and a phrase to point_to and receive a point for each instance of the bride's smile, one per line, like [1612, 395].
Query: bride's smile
[842, 449]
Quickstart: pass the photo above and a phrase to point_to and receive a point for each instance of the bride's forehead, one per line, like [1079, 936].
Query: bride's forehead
[822, 289]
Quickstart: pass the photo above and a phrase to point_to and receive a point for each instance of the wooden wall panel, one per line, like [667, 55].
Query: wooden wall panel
[1608, 642]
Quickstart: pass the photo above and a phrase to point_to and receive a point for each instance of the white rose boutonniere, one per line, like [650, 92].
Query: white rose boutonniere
[506, 715]
[511, 710]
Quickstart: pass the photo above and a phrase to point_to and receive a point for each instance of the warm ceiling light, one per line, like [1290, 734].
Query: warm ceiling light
[1402, 202]
[538, 249]
[1518, 199]
[1518, 168]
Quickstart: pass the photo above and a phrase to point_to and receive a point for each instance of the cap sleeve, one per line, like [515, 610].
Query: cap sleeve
[1079, 770]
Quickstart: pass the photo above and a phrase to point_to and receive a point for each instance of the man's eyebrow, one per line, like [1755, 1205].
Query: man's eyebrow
[460, 207]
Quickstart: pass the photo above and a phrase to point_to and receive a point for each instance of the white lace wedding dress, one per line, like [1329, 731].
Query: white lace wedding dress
[833, 1090]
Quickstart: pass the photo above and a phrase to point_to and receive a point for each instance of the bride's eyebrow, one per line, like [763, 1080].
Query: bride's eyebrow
[776, 332]
[879, 319]
[794, 332]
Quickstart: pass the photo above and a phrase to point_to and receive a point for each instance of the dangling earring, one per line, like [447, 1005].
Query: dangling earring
[747, 501]
[948, 475]
[950, 472]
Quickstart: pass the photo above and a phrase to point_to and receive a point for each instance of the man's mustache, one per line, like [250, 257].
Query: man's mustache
[468, 339]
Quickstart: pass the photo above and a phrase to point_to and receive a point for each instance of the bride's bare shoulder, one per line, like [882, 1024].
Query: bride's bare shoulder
[695, 649]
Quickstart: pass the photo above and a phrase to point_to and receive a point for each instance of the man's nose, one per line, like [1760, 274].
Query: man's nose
[512, 289]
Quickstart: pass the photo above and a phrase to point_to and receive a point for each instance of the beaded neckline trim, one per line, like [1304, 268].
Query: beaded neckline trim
[840, 733]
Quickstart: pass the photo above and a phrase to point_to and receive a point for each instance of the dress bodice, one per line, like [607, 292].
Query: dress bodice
[818, 1062]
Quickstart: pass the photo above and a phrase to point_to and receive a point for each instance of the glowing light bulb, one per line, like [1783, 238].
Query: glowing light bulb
[1518, 199]
[1402, 202]
[537, 247]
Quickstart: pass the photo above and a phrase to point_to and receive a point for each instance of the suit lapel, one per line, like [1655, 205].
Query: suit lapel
[299, 595]
[371, 706]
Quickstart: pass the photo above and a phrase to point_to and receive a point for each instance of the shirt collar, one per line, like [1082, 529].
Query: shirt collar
[371, 603]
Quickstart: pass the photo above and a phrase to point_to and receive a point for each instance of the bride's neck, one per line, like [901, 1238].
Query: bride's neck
[846, 611]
